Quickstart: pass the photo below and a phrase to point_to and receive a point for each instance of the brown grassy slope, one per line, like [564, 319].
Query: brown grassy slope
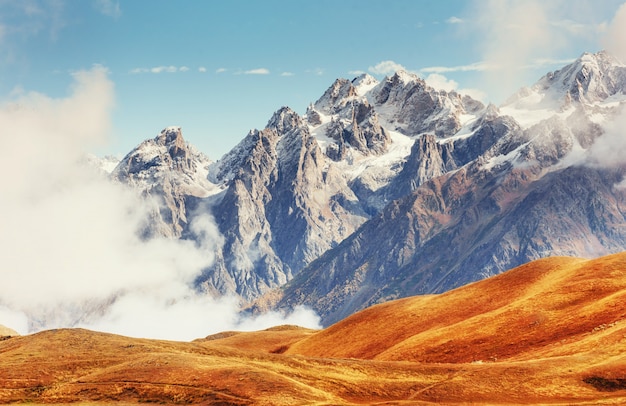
[544, 306]
[273, 340]
[82, 366]
[550, 332]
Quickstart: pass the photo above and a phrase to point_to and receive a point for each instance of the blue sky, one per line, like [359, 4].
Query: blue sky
[220, 68]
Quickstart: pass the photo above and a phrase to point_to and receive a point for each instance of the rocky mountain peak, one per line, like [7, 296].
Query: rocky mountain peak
[170, 135]
[336, 96]
[405, 77]
[412, 107]
[169, 170]
[172, 139]
[590, 78]
[364, 83]
[168, 149]
[285, 120]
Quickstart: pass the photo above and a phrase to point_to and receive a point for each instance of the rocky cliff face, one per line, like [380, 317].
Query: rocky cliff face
[412, 107]
[393, 188]
[283, 207]
[168, 172]
[496, 195]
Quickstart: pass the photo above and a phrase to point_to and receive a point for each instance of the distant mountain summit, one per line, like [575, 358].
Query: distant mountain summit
[385, 189]
[170, 172]
[591, 78]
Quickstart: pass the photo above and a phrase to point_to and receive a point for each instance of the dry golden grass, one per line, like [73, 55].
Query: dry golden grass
[549, 332]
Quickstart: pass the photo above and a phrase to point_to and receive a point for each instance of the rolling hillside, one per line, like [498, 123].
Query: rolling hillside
[548, 332]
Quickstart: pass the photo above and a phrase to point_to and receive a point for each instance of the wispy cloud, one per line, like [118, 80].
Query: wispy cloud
[356, 72]
[316, 71]
[168, 69]
[615, 38]
[258, 71]
[485, 66]
[454, 20]
[473, 67]
[439, 81]
[386, 68]
[287, 74]
[64, 267]
[545, 62]
[513, 36]
[160, 69]
[24, 20]
[109, 8]
[202, 69]
[221, 70]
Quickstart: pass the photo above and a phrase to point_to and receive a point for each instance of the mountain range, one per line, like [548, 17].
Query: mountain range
[388, 189]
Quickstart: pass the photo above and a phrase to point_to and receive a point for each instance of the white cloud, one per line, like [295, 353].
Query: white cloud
[454, 20]
[161, 69]
[547, 62]
[287, 74]
[484, 66]
[615, 38]
[202, 69]
[608, 149]
[440, 82]
[316, 71]
[258, 71]
[168, 69]
[474, 67]
[25, 20]
[356, 72]
[386, 68]
[513, 35]
[221, 70]
[108, 8]
[70, 240]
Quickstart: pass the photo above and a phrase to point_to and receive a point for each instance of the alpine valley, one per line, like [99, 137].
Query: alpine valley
[384, 190]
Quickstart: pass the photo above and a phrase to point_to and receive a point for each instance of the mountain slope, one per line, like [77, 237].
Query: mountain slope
[461, 228]
[549, 332]
[282, 208]
[527, 192]
[169, 172]
[553, 307]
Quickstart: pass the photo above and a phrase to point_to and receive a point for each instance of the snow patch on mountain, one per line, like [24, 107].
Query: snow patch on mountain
[364, 83]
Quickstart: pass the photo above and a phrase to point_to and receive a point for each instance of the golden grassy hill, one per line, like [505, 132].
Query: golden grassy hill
[549, 332]
[547, 306]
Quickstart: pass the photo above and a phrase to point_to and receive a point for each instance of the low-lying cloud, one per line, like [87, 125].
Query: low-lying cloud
[386, 68]
[71, 243]
[608, 149]
[615, 38]
[514, 35]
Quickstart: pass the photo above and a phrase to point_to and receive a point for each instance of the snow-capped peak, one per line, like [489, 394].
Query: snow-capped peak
[284, 120]
[364, 83]
[588, 79]
[171, 136]
[404, 77]
[336, 96]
